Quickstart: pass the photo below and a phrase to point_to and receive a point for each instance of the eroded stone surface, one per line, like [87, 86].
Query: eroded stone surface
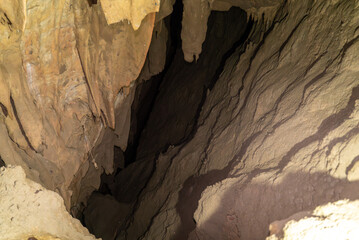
[63, 74]
[277, 133]
[29, 210]
[337, 220]
[190, 82]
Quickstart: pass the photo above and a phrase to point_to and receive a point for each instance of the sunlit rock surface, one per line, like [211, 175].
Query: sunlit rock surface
[339, 220]
[29, 211]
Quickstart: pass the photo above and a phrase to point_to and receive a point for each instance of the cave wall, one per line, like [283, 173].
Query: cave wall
[185, 85]
[66, 84]
[182, 85]
[277, 134]
[64, 72]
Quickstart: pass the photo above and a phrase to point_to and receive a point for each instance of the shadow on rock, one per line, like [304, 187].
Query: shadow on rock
[233, 210]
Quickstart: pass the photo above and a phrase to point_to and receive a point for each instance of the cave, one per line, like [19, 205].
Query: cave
[179, 119]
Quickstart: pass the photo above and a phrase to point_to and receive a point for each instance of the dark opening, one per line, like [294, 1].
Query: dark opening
[2, 163]
[165, 112]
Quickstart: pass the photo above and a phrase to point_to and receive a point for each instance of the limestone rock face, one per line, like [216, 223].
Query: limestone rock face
[134, 11]
[262, 127]
[276, 135]
[29, 210]
[337, 220]
[64, 72]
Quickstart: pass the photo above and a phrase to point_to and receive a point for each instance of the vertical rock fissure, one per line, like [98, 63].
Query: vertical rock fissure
[2, 163]
[175, 44]
[224, 37]
[19, 123]
[175, 122]
[140, 122]
[237, 44]
[4, 109]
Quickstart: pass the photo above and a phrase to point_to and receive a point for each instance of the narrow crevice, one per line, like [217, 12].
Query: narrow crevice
[2, 163]
[223, 27]
[147, 91]
[130, 219]
[352, 164]
[4, 109]
[145, 98]
[91, 2]
[140, 114]
[19, 123]
[6, 21]
[230, 52]
[179, 116]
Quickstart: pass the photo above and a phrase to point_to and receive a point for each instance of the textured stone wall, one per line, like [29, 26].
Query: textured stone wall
[277, 134]
[64, 72]
[30, 211]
